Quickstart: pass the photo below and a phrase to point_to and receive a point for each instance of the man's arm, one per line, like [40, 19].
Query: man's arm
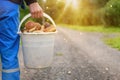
[35, 9]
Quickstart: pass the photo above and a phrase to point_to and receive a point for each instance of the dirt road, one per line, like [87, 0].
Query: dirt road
[78, 56]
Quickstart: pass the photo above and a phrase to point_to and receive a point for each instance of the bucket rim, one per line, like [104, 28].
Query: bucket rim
[43, 33]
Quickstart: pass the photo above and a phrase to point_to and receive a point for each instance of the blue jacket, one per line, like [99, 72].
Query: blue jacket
[21, 2]
[9, 10]
[27, 1]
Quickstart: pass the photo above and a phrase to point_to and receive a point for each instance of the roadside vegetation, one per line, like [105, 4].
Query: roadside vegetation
[113, 42]
[93, 28]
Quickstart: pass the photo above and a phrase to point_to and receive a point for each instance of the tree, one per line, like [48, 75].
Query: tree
[111, 13]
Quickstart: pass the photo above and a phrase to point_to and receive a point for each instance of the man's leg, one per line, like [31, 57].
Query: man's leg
[9, 46]
[0, 68]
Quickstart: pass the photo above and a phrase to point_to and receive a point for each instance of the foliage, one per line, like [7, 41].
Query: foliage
[88, 12]
[23, 12]
[112, 13]
[52, 8]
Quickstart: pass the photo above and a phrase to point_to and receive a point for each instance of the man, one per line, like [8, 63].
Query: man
[9, 39]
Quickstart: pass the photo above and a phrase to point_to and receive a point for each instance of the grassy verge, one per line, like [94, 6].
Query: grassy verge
[93, 28]
[113, 42]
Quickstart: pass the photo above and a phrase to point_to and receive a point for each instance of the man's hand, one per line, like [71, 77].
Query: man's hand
[35, 10]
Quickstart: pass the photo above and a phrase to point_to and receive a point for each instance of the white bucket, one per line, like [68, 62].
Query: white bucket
[38, 48]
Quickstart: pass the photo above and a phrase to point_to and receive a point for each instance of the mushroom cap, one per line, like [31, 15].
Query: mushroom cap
[47, 24]
[29, 25]
[50, 29]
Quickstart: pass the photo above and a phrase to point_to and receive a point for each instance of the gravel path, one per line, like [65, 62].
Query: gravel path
[78, 56]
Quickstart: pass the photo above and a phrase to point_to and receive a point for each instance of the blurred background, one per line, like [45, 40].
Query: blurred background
[82, 12]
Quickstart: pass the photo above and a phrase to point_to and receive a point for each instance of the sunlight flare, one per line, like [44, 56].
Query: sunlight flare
[72, 3]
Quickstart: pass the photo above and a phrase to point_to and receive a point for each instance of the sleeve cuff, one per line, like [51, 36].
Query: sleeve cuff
[28, 2]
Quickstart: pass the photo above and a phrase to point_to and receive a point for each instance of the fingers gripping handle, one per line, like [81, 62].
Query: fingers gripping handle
[29, 15]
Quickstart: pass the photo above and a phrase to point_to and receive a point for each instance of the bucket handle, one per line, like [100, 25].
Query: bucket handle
[29, 15]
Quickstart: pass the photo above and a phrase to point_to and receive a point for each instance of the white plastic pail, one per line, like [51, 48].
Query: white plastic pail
[38, 48]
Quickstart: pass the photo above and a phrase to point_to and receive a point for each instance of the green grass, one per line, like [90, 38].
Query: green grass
[113, 42]
[93, 28]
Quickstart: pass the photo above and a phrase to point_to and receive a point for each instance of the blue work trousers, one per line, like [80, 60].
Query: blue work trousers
[9, 40]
